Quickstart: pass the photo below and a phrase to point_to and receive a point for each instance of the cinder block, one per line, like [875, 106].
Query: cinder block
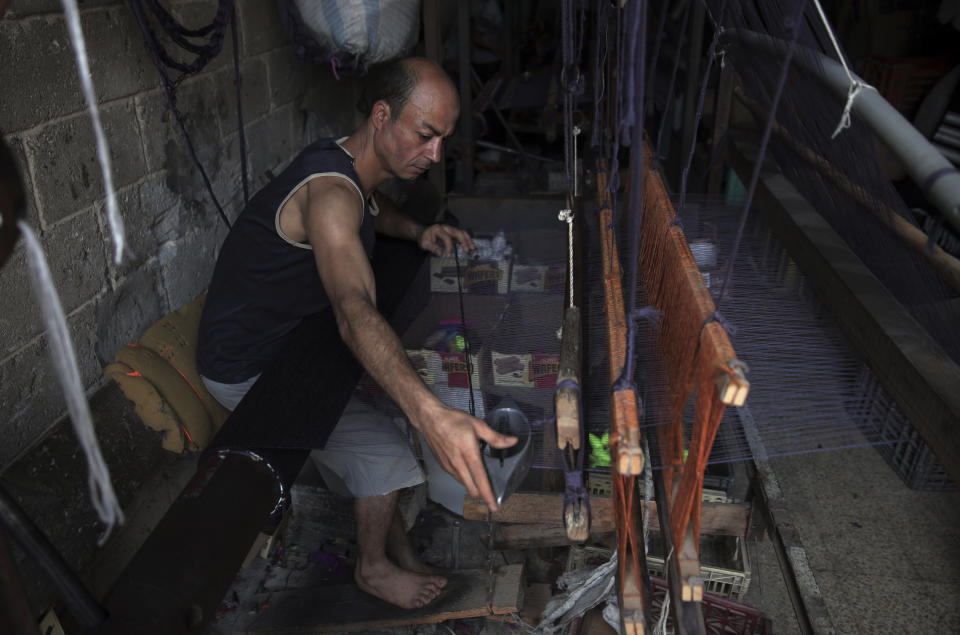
[38, 73]
[260, 28]
[138, 240]
[163, 142]
[83, 331]
[23, 8]
[75, 252]
[30, 395]
[125, 313]
[64, 157]
[254, 90]
[290, 77]
[186, 266]
[330, 106]
[30, 399]
[228, 183]
[119, 63]
[19, 319]
[272, 143]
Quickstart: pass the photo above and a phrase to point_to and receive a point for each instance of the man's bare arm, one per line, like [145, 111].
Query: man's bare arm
[332, 219]
[439, 239]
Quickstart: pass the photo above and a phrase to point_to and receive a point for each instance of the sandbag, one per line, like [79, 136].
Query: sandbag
[159, 375]
[155, 412]
[351, 35]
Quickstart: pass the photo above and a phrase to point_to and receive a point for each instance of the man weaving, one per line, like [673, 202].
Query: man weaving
[303, 244]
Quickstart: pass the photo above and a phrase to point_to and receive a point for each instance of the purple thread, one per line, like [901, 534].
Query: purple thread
[795, 22]
[711, 56]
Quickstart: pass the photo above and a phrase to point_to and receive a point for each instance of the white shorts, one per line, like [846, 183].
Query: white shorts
[367, 453]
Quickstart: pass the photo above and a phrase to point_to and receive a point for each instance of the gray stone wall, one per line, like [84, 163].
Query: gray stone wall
[172, 227]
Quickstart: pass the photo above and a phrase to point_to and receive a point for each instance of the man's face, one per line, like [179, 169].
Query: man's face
[414, 140]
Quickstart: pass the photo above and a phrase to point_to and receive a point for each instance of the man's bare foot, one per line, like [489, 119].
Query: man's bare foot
[392, 584]
[402, 553]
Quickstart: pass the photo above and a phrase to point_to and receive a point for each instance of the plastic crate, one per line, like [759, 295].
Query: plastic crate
[732, 582]
[721, 616]
[600, 485]
[899, 443]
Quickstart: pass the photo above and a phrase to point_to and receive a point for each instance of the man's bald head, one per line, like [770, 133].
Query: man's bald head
[395, 82]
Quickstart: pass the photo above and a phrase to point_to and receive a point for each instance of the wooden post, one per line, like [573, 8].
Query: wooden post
[568, 397]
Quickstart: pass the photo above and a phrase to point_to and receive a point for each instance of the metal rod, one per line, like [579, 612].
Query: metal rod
[75, 595]
[919, 157]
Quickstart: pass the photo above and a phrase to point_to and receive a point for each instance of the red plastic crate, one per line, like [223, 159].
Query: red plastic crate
[904, 81]
[720, 615]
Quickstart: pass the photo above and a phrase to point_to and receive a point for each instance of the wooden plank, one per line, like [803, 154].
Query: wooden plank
[534, 536]
[567, 401]
[344, 607]
[913, 368]
[719, 519]
[624, 425]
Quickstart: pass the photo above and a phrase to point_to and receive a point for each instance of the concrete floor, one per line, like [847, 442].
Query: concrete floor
[886, 558]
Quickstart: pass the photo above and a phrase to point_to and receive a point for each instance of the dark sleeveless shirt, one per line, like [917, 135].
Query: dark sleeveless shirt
[264, 284]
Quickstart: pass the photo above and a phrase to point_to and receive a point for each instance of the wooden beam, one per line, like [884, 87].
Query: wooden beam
[719, 519]
[567, 402]
[534, 536]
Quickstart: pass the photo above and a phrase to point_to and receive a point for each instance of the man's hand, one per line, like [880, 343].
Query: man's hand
[441, 240]
[453, 436]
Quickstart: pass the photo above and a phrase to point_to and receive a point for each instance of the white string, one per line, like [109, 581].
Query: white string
[856, 84]
[103, 150]
[660, 628]
[68, 376]
[566, 216]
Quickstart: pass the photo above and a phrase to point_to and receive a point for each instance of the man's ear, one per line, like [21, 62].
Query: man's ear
[380, 114]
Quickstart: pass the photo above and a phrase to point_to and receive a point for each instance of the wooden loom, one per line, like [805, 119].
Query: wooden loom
[697, 355]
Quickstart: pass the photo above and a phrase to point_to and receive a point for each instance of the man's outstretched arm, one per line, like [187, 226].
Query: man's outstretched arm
[438, 238]
[333, 230]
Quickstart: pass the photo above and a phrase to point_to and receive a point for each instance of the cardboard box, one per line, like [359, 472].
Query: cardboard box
[538, 278]
[446, 376]
[484, 277]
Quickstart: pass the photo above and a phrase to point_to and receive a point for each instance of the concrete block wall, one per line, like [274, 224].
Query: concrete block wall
[172, 226]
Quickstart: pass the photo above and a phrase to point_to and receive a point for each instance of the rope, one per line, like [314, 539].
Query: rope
[103, 150]
[856, 84]
[161, 60]
[566, 216]
[64, 360]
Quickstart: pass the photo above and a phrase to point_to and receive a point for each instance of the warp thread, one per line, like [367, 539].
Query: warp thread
[711, 56]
